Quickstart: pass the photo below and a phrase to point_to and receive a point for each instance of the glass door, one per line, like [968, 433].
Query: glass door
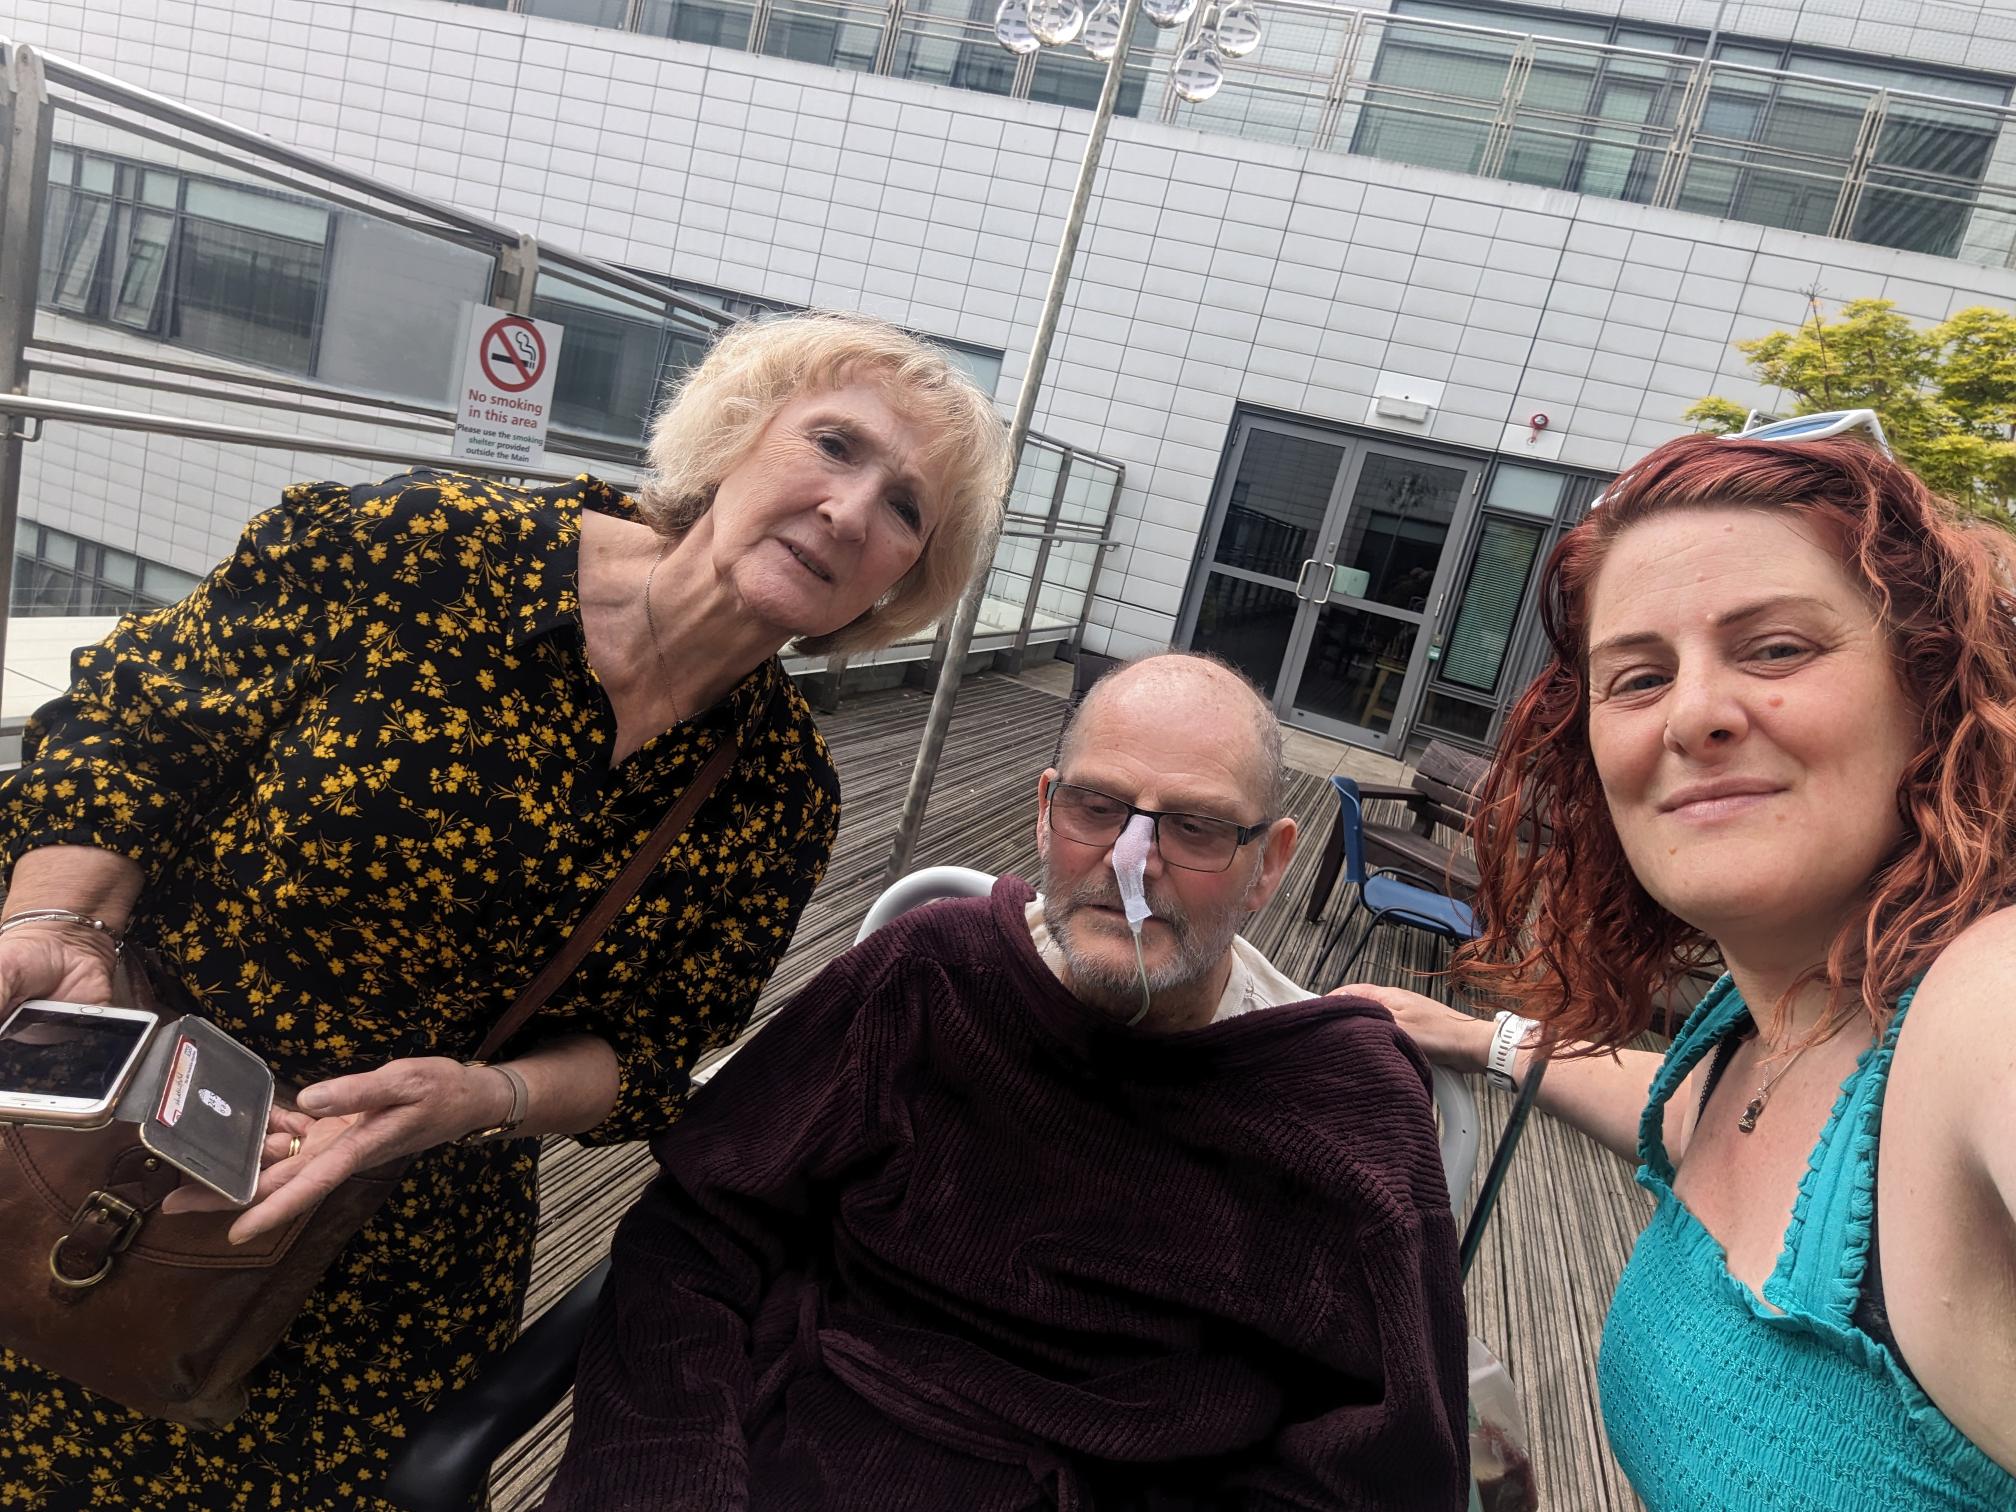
[1364, 652]
[1327, 556]
[1248, 608]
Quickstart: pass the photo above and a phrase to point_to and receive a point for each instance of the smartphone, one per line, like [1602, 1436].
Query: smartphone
[65, 1064]
[208, 1118]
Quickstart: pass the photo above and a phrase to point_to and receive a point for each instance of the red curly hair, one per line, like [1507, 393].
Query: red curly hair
[1571, 937]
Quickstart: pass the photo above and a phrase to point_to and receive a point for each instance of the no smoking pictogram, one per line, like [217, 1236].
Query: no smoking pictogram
[513, 354]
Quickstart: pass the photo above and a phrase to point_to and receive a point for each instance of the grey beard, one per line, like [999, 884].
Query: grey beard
[1198, 952]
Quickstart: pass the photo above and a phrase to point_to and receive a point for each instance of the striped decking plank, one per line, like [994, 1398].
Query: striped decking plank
[1566, 1217]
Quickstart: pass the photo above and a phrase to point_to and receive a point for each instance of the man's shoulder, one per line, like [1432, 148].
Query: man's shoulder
[945, 931]
[1351, 1092]
[1328, 1042]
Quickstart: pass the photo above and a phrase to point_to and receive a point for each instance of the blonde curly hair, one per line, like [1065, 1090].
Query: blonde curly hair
[714, 418]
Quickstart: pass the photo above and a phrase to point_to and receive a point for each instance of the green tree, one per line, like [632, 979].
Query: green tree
[1947, 393]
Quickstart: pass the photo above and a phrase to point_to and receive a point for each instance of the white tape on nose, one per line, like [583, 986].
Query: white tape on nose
[1130, 866]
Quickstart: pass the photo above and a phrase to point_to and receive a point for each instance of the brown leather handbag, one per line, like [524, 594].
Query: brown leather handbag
[159, 1311]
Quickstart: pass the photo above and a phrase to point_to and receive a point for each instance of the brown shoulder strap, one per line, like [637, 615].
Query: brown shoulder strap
[613, 899]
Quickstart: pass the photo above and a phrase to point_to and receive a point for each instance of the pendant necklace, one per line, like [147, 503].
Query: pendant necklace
[1748, 1121]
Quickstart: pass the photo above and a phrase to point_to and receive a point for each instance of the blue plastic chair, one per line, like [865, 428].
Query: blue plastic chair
[1390, 895]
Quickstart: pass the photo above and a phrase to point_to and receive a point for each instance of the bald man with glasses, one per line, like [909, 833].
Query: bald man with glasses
[1002, 1213]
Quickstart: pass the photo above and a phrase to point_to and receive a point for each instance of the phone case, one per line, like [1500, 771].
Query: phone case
[201, 1101]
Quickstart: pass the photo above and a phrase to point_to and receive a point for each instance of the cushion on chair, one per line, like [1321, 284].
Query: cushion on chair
[1407, 904]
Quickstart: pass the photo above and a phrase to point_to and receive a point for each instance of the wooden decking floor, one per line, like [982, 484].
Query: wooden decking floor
[1566, 1218]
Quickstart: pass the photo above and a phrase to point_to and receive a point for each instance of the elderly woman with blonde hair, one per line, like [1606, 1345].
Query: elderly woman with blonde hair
[358, 787]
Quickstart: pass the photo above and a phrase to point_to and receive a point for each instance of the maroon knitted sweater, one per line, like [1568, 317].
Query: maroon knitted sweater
[944, 1238]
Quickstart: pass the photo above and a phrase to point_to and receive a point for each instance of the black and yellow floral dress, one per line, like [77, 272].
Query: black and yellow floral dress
[366, 767]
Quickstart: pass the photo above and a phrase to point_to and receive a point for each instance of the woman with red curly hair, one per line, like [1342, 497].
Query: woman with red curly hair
[1778, 728]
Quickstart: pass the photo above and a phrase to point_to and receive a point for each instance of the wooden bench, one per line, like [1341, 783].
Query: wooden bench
[1441, 794]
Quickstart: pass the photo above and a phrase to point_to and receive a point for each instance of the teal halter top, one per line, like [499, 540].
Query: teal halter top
[1711, 1400]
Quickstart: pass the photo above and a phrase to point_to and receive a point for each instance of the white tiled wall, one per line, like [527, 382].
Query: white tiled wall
[1212, 272]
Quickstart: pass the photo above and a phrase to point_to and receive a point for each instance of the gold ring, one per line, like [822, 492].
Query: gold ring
[294, 1147]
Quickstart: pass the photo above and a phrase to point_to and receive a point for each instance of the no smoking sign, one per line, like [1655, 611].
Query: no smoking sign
[506, 391]
[513, 354]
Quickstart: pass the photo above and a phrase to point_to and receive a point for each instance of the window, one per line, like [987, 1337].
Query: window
[59, 573]
[981, 364]
[229, 269]
[1588, 121]
[588, 12]
[1475, 654]
[714, 23]
[617, 355]
[1072, 76]
[1771, 150]
[952, 42]
[1807, 132]
[818, 31]
[1488, 649]
[248, 276]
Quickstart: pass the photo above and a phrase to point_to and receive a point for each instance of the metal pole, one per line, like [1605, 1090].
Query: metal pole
[1501, 1163]
[23, 191]
[968, 614]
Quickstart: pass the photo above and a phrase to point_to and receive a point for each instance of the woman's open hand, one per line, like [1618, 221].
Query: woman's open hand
[350, 1124]
[1447, 1036]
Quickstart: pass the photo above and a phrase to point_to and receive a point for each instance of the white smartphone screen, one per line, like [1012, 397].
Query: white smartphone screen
[55, 1052]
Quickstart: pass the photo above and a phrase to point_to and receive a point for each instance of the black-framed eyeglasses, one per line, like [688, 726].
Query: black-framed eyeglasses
[1195, 842]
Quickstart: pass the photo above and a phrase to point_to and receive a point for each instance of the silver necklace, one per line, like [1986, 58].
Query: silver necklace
[658, 641]
[1748, 1121]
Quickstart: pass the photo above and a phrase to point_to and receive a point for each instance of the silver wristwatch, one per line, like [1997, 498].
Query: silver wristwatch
[1506, 1041]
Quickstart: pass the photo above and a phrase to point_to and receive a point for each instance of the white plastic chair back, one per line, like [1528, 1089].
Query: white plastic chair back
[921, 887]
[1453, 1100]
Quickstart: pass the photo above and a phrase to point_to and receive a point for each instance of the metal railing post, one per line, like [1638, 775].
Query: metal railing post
[885, 52]
[1106, 544]
[516, 281]
[1498, 140]
[1686, 121]
[1091, 592]
[940, 717]
[1849, 201]
[1042, 560]
[26, 113]
[1341, 80]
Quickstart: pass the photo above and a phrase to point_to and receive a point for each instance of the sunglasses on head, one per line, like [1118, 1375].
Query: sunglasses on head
[1803, 428]
[1814, 427]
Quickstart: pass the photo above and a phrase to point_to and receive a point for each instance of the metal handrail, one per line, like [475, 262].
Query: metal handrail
[30, 407]
[285, 395]
[236, 377]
